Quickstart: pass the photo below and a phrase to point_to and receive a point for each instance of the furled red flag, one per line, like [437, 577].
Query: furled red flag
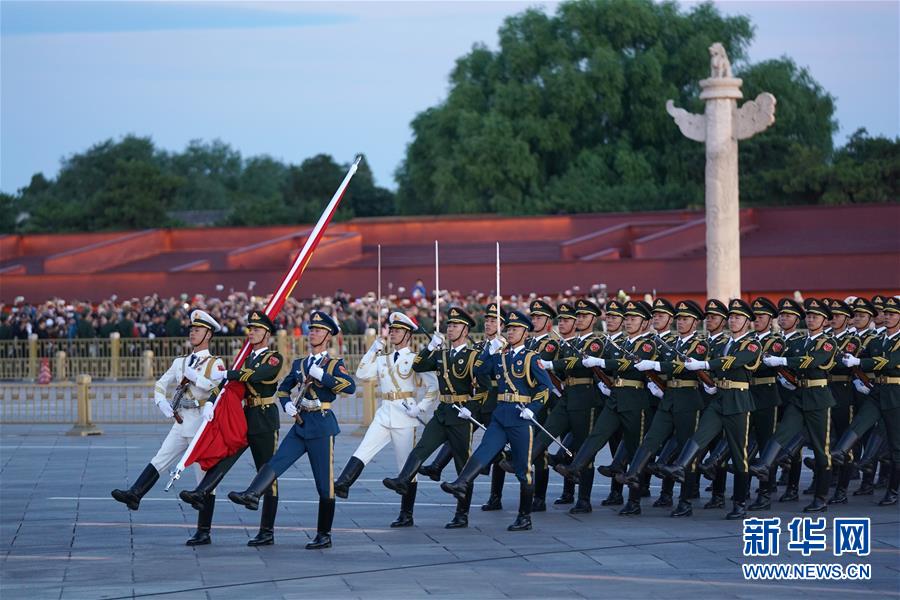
[227, 432]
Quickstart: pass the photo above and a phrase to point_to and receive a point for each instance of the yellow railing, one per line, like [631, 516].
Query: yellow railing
[119, 358]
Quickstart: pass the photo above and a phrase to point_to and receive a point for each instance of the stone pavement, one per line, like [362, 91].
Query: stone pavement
[64, 537]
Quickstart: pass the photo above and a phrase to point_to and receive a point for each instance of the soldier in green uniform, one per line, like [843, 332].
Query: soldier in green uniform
[884, 362]
[681, 403]
[811, 414]
[663, 316]
[627, 402]
[874, 440]
[576, 409]
[729, 411]
[259, 374]
[764, 389]
[451, 421]
[839, 380]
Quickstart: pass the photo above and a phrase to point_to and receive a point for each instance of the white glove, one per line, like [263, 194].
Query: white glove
[495, 346]
[437, 340]
[311, 403]
[593, 361]
[710, 389]
[527, 414]
[290, 408]
[190, 373]
[775, 361]
[861, 387]
[604, 389]
[785, 383]
[316, 372]
[377, 346]
[654, 389]
[208, 410]
[850, 361]
[547, 364]
[413, 410]
[165, 409]
[647, 365]
[692, 364]
[464, 413]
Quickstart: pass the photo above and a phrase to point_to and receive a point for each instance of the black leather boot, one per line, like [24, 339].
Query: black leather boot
[526, 499]
[614, 498]
[204, 490]
[352, 470]
[407, 502]
[434, 470]
[259, 486]
[132, 496]
[871, 451]
[541, 481]
[266, 534]
[618, 464]
[677, 469]
[568, 492]
[668, 453]
[685, 508]
[763, 499]
[638, 464]
[715, 460]
[890, 496]
[632, 508]
[323, 528]
[201, 537]
[760, 467]
[461, 517]
[791, 494]
[739, 506]
[460, 487]
[401, 482]
[841, 451]
[583, 506]
[843, 482]
[498, 476]
[579, 462]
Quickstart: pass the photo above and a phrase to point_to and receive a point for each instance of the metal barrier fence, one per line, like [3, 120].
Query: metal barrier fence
[144, 358]
[119, 402]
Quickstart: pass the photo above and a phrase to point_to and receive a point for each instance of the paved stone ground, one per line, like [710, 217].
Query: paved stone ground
[64, 537]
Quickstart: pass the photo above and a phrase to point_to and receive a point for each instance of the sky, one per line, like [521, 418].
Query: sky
[295, 79]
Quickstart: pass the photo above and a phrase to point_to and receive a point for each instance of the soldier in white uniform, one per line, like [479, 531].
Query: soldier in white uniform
[405, 396]
[181, 394]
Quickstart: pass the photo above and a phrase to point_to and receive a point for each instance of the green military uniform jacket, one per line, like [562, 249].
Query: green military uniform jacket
[884, 362]
[671, 363]
[764, 384]
[841, 377]
[628, 398]
[455, 377]
[793, 347]
[259, 375]
[812, 366]
[581, 393]
[736, 364]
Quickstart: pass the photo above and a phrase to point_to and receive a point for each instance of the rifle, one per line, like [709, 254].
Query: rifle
[652, 376]
[701, 375]
[597, 371]
[180, 391]
[305, 388]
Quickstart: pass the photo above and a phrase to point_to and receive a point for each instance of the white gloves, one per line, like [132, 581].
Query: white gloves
[377, 346]
[495, 346]
[413, 410]
[437, 340]
[316, 372]
[311, 404]
[190, 373]
[165, 409]
[692, 364]
[208, 410]
[861, 387]
[785, 383]
[850, 361]
[465, 413]
[593, 361]
[775, 361]
[710, 389]
[290, 408]
[604, 389]
[647, 365]
[547, 364]
[527, 414]
[654, 389]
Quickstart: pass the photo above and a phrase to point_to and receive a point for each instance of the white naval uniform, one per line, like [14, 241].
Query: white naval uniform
[391, 423]
[211, 372]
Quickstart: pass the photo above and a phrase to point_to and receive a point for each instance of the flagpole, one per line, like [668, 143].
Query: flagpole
[278, 298]
[378, 331]
[437, 290]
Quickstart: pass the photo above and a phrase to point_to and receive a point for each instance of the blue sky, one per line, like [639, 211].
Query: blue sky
[293, 79]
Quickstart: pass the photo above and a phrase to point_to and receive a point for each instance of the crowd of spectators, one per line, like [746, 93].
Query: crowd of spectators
[153, 317]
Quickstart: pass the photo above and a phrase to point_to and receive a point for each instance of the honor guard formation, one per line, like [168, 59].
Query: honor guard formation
[677, 391]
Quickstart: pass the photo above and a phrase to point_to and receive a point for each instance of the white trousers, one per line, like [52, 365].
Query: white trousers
[379, 435]
[177, 441]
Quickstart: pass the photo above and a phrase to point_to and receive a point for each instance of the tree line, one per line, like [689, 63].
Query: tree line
[566, 116]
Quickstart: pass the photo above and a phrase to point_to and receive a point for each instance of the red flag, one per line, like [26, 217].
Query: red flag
[227, 432]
